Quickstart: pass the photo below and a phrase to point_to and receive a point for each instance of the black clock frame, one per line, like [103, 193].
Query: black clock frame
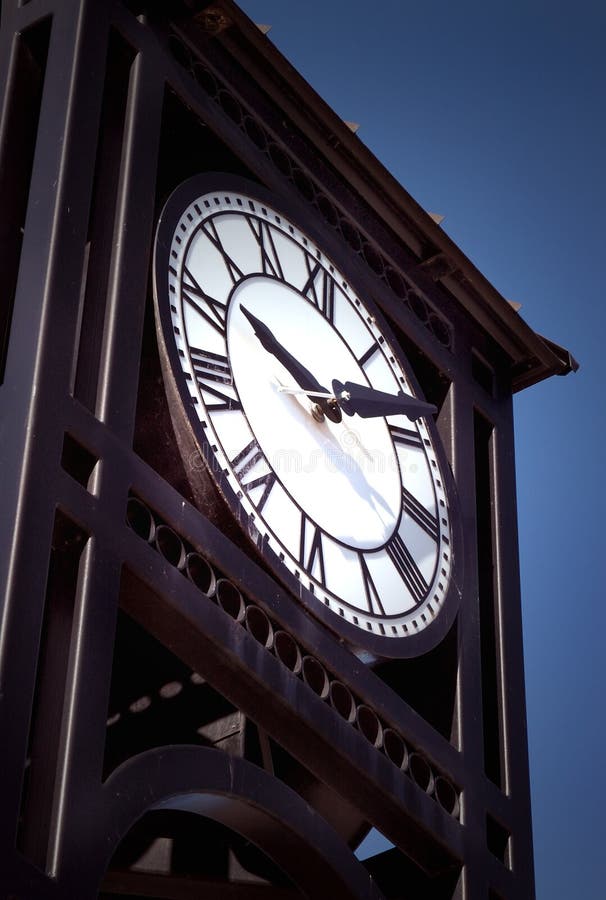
[193, 439]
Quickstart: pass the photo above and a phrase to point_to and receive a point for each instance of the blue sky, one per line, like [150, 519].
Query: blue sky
[493, 114]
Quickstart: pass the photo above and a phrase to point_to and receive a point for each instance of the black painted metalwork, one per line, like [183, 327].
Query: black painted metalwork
[173, 721]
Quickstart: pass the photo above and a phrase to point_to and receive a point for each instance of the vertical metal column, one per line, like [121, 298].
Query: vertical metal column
[118, 385]
[37, 376]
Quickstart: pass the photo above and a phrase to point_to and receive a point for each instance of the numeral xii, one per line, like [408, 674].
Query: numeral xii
[270, 260]
[320, 288]
[209, 228]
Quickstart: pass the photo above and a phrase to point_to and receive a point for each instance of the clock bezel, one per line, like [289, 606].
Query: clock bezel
[192, 438]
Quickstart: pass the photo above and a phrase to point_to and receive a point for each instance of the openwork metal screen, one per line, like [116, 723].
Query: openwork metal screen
[174, 723]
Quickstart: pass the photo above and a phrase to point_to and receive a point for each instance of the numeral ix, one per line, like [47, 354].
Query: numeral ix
[211, 369]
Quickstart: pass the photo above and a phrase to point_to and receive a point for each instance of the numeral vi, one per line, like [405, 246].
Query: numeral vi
[311, 551]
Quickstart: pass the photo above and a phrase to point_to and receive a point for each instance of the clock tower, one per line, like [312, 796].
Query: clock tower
[259, 578]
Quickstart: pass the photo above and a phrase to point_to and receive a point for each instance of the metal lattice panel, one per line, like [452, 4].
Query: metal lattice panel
[148, 663]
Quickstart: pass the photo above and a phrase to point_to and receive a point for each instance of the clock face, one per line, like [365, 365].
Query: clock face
[257, 322]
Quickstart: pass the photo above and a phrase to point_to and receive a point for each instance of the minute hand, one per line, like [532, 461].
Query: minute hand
[367, 402]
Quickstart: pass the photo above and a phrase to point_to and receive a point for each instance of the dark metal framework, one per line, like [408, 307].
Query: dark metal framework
[173, 723]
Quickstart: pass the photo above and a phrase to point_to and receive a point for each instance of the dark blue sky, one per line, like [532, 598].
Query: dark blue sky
[493, 114]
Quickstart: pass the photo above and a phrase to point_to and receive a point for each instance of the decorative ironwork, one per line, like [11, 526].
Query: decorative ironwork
[215, 587]
[312, 192]
[100, 123]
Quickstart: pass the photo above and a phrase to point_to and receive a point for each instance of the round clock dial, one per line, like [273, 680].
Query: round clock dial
[271, 349]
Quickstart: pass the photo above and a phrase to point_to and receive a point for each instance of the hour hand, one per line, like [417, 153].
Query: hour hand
[297, 370]
[367, 402]
[269, 341]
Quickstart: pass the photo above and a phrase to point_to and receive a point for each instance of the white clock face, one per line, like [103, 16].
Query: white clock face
[354, 511]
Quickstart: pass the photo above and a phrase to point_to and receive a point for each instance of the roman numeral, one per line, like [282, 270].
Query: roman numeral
[213, 368]
[268, 481]
[210, 230]
[419, 514]
[362, 360]
[312, 553]
[320, 288]
[243, 462]
[212, 311]
[210, 366]
[372, 595]
[270, 260]
[406, 437]
[246, 459]
[407, 568]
